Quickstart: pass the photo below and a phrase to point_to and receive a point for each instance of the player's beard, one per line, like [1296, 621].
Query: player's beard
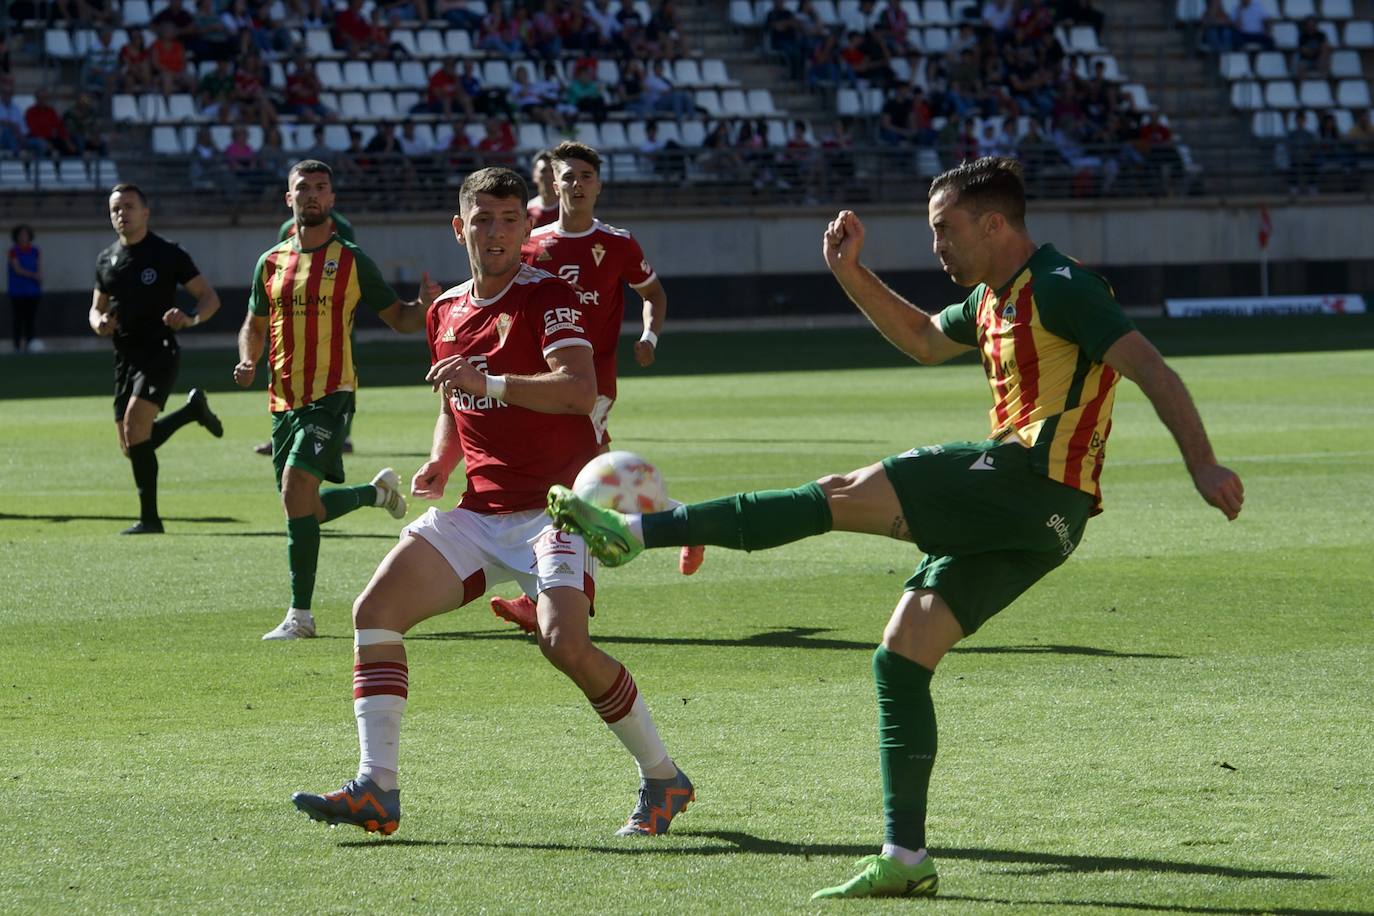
[311, 220]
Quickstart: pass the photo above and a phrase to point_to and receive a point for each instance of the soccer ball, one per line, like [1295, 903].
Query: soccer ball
[622, 481]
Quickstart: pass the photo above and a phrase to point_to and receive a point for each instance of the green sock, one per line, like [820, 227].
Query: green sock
[343, 500]
[745, 521]
[302, 556]
[906, 745]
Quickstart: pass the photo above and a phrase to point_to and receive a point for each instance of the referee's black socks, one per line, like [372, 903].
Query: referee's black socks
[143, 457]
[165, 425]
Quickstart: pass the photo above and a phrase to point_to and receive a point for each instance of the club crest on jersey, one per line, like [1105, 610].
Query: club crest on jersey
[598, 252]
[1009, 313]
[149, 276]
[331, 268]
[503, 328]
[571, 272]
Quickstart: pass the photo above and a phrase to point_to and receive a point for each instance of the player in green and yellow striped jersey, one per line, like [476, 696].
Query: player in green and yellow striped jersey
[306, 291]
[992, 517]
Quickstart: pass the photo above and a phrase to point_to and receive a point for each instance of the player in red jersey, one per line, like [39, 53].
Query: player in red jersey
[599, 260]
[543, 206]
[514, 364]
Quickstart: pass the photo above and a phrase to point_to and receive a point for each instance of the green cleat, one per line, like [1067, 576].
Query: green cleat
[607, 535]
[883, 876]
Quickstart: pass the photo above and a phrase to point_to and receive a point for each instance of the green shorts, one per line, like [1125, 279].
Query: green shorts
[990, 527]
[311, 438]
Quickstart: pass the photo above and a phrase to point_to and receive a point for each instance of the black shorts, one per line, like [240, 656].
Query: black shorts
[147, 374]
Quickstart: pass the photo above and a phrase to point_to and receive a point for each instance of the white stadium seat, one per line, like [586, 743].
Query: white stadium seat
[1189, 10]
[1315, 94]
[1235, 65]
[734, 103]
[531, 136]
[613, 135]
[761, 102]
[385, 75]
[1247, 95]
[413, 75]
[318, 44]
[1337, 9]
[1299, 9]
[686, 73]
[124, 109]
[1271, 65]
[713, 73]
[693, 134]
[357, 75]
[1285, 35]
[458, 43]
[936, 12]
[1267, 124]
[1280, 94]
[1352, 94]
[1345, 64]
[330, 74]
[166, 142]
[742, 14]
[382, 106]
[353, 106]
[136, 12]
[430, 43]
[1359, 33]
[1138, 96]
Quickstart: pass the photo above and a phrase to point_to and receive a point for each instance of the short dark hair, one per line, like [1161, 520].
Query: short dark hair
[310, 167]
[989, 183]
[22, 227]
[571, 149]
[542, 156]
[498, 181]
[125, 187]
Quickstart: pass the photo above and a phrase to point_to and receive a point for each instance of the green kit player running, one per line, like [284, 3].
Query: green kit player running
[992, 517]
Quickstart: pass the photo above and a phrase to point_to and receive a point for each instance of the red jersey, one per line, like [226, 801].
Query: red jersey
[540, 214]
[598, 262]
[512, 455]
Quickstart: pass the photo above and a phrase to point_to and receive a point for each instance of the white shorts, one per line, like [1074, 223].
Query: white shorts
[521, 546]
[601, 415]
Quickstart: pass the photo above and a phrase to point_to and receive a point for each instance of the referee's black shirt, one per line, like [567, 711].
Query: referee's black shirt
[141, 281]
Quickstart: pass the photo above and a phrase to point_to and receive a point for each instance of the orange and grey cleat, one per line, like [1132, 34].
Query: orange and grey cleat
[660, 800]
[689, 561]
[361, 802]
[519, 611]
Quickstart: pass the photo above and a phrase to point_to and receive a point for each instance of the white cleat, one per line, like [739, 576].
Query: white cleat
[293, 627]
[389, 493]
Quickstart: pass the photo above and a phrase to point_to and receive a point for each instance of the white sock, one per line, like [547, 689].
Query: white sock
[640, 736]
[904, 855]
[379, 737]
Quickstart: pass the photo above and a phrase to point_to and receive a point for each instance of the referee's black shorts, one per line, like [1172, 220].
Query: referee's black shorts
[148, 374]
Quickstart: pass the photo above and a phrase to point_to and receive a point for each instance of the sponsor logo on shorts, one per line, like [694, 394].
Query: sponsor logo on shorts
[983, 463]
[563, 569]
[922, 450]
[1060, 526]
[554, 543]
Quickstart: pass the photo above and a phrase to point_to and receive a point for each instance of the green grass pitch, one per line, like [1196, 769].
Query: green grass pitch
[1178, 720]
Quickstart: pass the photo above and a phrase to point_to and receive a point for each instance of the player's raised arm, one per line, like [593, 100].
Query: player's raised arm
[1138, 360]
[904, 325]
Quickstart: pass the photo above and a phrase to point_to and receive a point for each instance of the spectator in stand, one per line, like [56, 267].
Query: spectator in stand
[663, 96]
[1360, 136]
[999, 16]
[837, 155]
[215, 93]
[826, 66]
[1331, 154]
[531, 102]
[169, 62]
[313, 14]
[1081, 12]
[1313, 57]
[83, 124]
[752, 141]
[25, 274]
[965, 84]
[353, 161]
[250, 94]
[273, 159]
[782, 35]
[719, 156]
[72, 14]
[995, 140]
[489, 101]
[398, 11]
[303, 88]
[629, 92]
[664, 32]
[379, 44]
[352, 32]
[458, 15]
[319, 149]
[239, 159]
[498, 146]
[100, 66]
[385, 157]
[446, 94]
[207, 166]
[891, 27]
[576, 30]
[1086, 165]
[178, 17]
[860, 64]
[45, 124]
[895, 127]
[607, 27]
[543, 206]
[585, 94]
[801, 164]
[136, 64]
[418, 149]
[210, 38]
[462, 156]
[6, 59]
[1217, 32]
[545, 40]
[499, 34]
[1251, 23]
[632, 38]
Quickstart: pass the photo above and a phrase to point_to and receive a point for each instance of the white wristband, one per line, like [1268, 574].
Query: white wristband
[496, 387]
[195, 320]
[650, 336]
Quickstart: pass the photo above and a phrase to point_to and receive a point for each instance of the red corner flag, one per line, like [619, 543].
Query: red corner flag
[1266, 227]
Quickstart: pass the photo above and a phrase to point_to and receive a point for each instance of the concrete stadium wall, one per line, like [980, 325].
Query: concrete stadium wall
[722, 263]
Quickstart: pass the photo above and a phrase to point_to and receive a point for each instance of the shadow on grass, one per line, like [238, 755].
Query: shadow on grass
[794, 638]
[734, 842]
[59, 519]
[325, 533]
[1022, 905]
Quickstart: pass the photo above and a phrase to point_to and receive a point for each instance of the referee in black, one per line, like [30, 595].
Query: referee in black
[134, 300]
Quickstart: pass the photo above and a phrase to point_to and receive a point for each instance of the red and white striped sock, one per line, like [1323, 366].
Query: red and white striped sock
[379, 701]
[623, 710]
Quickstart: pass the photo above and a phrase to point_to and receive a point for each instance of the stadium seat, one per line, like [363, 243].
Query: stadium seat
[1138, 96]
[1189, 11]
[935, 40]
[406, 39]
[1344, 120]
[412, 75]
[385, 75]
[608, 72]
[155, 107]
[424, 132]
[1337, 9]
[330, 74]
[1267, 124]
[693, 134]
[1271, 65]
[1359, 33]
[613, 135]
[430, 43]
[1247, 95]
[742, 14]
[221, 135]
[297, 138]
[357, 75]
[443, 136]
[1299, 9]
[187, 134]
[1280, 94]
[634, 133]
[667, 130]
[777, 134]
[927, 162]
[135, 12]
[1235, 65]
[496, 74]
[1110, 69]
[625, 166]
[1285, 35]
[276, 74]
[318, 44]
[124, 109]
[585, 132]
[761, 103]
[406, 100]
[1083, 40]
[709, 100]
[330, 100]
[1345, 64]
[734, 103]
[1271, 7]
[181, 107]
[1315, 94]
[382, 106]
[912, 8]
[58, 43]
[1352, 94]
[827, 12]
[353, 106]
[686, 73]
[713, 73]
[166, 142]
[336, 137]
[530, 136]
[936, 12]
[13, 176]
[458, 43]
[1309, 120]
[1333, 34]
[850, 17]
